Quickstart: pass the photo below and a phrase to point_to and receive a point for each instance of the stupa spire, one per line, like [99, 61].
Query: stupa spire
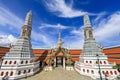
[27, 28]
[28, 19]
[87, 21]
[59, 37]
[88, 33]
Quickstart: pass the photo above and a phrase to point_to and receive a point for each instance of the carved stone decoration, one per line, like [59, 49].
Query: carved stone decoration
[23, 31]
[90, 32]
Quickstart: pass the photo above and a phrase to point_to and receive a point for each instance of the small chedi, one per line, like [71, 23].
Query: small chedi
[19, 61]
[93, 62]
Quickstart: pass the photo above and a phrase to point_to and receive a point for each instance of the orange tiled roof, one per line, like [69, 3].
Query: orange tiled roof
[113, 56]
[75, 52]
[39, 51]
[4, 49]
[75, 59]
[117, 61]
[112, 50]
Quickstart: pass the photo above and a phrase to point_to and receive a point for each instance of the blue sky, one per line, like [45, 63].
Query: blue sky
[48, 15]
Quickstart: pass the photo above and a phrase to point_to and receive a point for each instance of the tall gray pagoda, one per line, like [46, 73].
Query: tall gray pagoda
[20, 62]
[93, 62]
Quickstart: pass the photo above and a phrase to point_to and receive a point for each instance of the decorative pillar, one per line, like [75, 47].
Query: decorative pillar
[64, 62]
[55, 62]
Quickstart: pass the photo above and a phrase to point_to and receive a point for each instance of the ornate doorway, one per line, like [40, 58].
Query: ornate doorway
[59, 61]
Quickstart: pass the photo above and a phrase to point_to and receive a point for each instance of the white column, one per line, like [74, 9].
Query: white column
[55, 62]
[64, 62]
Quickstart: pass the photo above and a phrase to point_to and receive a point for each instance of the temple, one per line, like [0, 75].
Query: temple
[19, 62]
[93, 62]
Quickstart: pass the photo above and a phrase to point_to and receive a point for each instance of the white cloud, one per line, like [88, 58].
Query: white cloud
[73, 42]
[6, 40]
[78, 31]
[10, 21]
[7, 18]
[99, 17]
[44, 38]
[56, 26]
[76, 39]
[108, 28]
[60, 8]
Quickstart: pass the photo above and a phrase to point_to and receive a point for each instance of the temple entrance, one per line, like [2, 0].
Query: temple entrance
[59, 61]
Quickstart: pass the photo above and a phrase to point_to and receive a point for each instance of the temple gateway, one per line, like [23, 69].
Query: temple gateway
[59, 56]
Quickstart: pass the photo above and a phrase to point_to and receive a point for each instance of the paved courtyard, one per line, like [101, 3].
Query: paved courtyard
[58, 74]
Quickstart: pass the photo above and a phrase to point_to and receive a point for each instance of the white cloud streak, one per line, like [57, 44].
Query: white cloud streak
[74, 42]
[56, 26]
[108, 27]
[60, 8]
[45, 38]
[7, 18]
[78, 31]
[99, 17]
[10, 21]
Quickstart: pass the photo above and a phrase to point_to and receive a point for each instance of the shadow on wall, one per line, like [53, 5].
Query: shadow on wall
[42, 57]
